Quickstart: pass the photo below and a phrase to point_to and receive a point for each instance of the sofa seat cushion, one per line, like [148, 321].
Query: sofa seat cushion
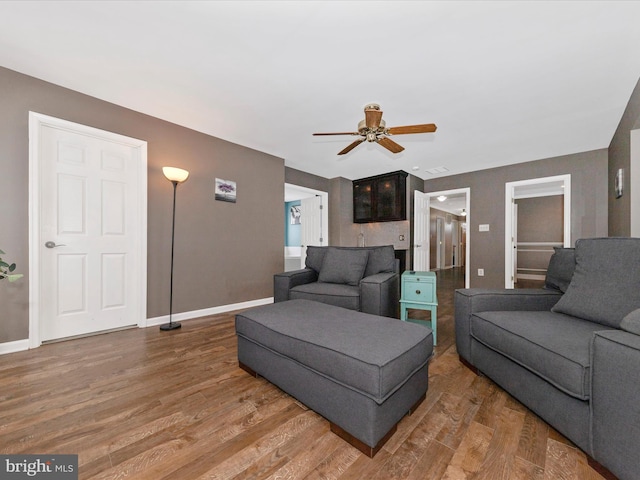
[552, 345]
[370, 354]
[345, 296]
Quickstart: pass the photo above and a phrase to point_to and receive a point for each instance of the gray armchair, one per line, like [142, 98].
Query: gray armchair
[365, 279]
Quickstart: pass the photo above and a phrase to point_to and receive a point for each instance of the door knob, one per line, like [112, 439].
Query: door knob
[51, 244]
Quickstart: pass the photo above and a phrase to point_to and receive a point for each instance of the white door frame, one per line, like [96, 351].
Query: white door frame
[510, 196]
[324, 218]
[634, 183]
[36, 122]
[467, 250]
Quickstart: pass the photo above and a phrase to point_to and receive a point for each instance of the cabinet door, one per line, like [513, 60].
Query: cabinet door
[363, 201]
[390, 198]
[387, 207]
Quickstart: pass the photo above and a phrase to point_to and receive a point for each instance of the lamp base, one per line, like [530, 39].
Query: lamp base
[170, 326]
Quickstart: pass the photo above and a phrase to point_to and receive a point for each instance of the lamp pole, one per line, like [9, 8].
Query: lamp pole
[175, 176]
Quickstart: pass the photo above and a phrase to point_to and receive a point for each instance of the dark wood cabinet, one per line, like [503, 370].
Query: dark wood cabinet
[382, 198]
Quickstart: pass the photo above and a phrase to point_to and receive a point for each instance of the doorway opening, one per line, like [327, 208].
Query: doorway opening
[436, 245]
[537, 219]
[306, 223]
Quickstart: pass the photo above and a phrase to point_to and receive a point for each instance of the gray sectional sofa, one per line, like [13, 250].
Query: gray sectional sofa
[571, 351]
[364, 279]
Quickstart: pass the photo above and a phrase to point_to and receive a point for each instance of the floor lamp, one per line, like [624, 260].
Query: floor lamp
[175, 176]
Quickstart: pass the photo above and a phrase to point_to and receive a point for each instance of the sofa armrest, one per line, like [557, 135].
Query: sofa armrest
[285, 281]
[380, 294]
[615, 409]
[468, 301]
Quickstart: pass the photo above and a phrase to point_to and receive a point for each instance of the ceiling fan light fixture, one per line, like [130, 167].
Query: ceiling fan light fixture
[374, 129]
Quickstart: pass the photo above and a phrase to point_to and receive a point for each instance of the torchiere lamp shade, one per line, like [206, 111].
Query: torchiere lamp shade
[175, 174]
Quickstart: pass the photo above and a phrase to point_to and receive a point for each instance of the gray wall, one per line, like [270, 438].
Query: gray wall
[588, 210]
[619, 157]
[225, 253]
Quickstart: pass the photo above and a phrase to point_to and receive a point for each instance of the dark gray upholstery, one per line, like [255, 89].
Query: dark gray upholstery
[330, 269]
[572, 358]
[343, 267]
[606, 283]
[345, 296]
[360, 371]
[562, 264]
[551, 345]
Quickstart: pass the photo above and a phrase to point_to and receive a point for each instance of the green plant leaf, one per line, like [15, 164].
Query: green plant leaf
[13, 278]
[12, 267]
[4, 264]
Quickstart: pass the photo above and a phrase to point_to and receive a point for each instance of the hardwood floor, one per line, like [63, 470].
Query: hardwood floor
[145, 404]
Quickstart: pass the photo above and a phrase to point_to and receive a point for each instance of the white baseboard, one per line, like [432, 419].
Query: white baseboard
[21, 345]
[16, 346]
[179, 317]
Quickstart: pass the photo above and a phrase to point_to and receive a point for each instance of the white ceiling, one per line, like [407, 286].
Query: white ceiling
[505, 81]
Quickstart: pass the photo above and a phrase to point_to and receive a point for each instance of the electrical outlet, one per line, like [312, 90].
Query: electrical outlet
[401, 238]
[484, 227]
[481, 272]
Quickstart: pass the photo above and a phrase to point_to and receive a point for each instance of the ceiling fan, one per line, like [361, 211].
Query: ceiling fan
[374, 129]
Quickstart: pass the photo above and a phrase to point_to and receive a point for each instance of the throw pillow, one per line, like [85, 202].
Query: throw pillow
[314, 258]
[631, 323]
[606, 283]
[381, 259]
[560, 270]
[343, 266]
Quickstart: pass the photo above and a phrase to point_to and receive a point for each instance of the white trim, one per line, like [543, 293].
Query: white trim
[508, 218]
[634, 184]
[179, 317]
[36, 122]
[13, 347]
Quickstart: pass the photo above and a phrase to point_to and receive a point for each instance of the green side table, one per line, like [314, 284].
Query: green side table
[419, 293]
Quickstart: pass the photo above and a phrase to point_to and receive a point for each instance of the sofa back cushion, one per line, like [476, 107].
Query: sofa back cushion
[381, 258]
[315, 257]
[343, 266]
[560, 270]
[606, 283]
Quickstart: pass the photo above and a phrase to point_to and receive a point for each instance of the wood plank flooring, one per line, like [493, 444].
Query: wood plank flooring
[145, 404]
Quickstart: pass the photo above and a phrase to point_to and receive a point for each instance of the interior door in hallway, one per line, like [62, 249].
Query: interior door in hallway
[421, 232]
[92, 233]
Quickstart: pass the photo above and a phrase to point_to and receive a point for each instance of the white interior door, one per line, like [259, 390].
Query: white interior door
[311, 221]
[440, 246]
[91, 236]
[421, 232]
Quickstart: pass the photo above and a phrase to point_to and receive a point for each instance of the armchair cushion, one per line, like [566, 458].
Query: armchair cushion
[604, 287]
[562, 264]
[631, 322]
[315, 257]
[343, 266]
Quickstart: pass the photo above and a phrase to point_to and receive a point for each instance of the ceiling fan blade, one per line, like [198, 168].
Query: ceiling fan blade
[426, 128]
[390, 145]
[372, 118]
[351, 147]
[337, 133]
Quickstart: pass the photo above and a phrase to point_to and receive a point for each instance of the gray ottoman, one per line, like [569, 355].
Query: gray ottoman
[361, 372]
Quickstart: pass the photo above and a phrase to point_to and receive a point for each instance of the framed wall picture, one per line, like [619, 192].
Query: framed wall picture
[294, 214]
[225, 190]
